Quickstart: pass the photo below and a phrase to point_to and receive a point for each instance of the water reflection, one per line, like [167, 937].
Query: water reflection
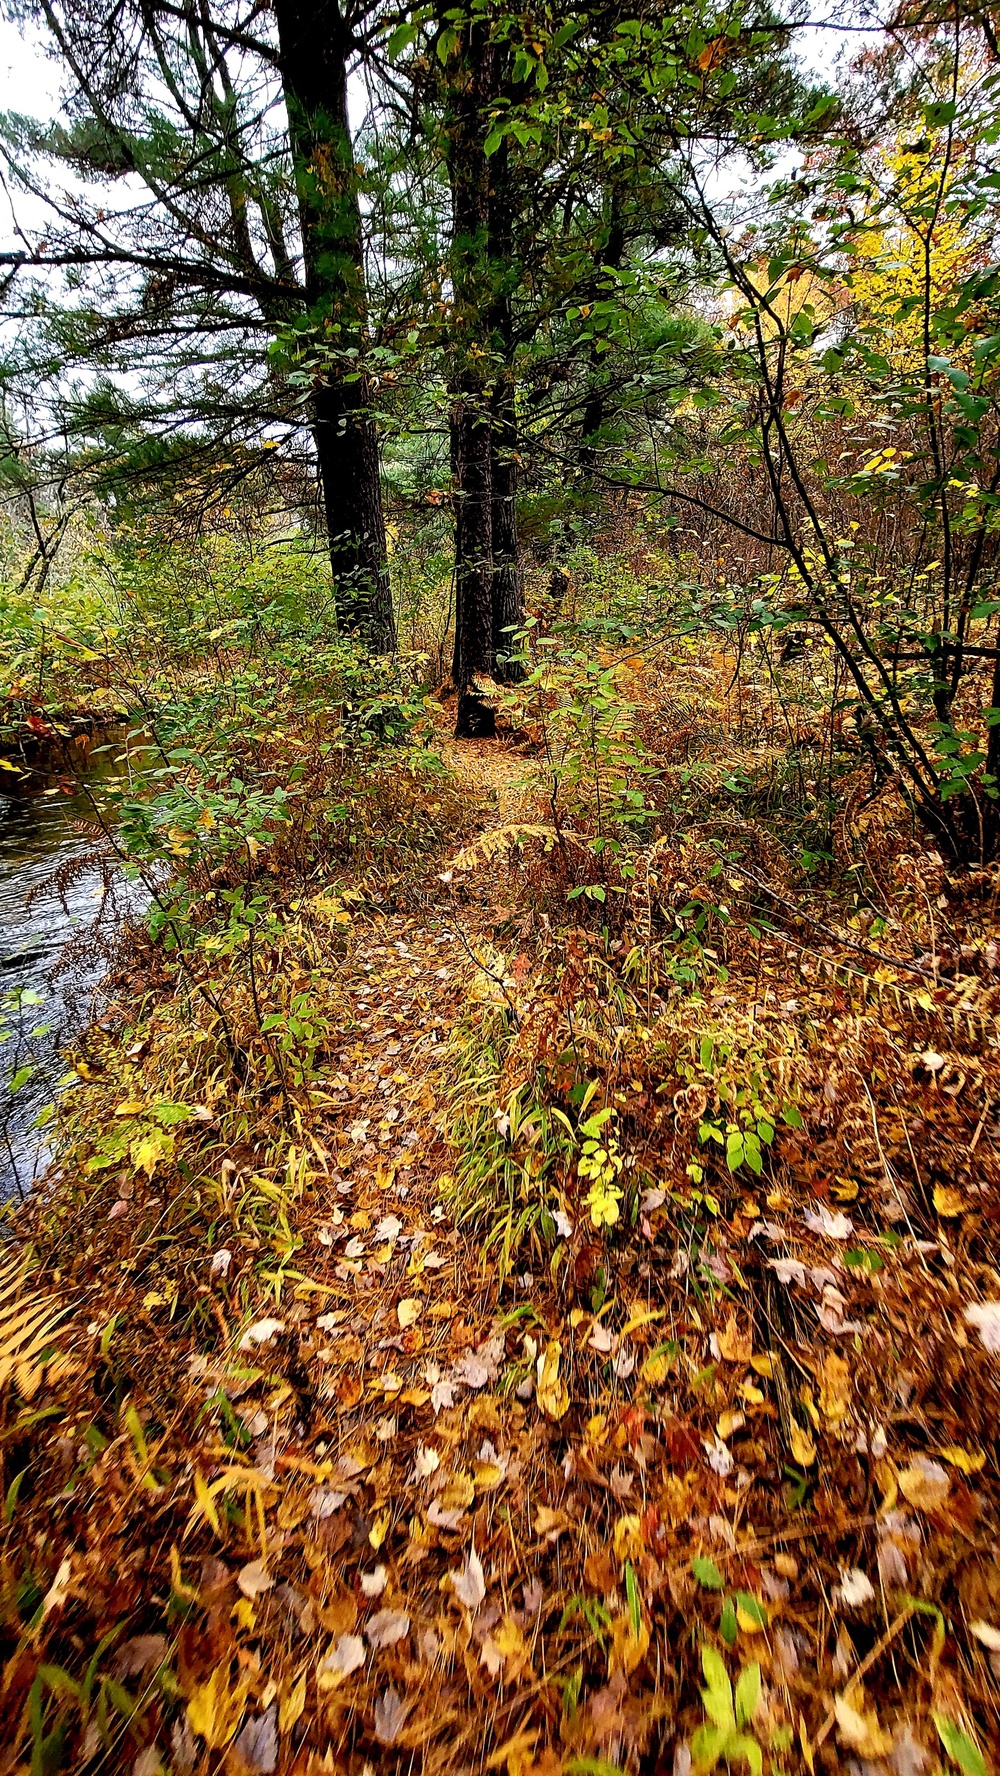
[52, 890]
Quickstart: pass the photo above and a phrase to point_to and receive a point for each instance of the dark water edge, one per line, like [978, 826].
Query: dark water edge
[64, 899]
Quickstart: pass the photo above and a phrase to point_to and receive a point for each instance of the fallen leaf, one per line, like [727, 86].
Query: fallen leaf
[802, 1447]
[968, 1461]
[470, 1582]
[834, 1389]
[986, 1316]
[261, 1332]
[925, 1484]
[825, 1221]
[855, 1588]
[735, 1345]
[788, 1270]
[986, 1634]
[291, 1705]
[214, 1710]
[409, 1311]
[254, 1578]
[551, 1392]
[949, 1203]
[58, 1591]
[390, 1716]
[470, 1370]
[373, 1584]
[728, 1424]
[343, 1658]
[257, 1745]
[388, 1627]
[718, 1457]
[628, 1648]
[551, 1523]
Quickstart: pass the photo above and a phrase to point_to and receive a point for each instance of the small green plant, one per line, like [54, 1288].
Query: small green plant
[722, 1737]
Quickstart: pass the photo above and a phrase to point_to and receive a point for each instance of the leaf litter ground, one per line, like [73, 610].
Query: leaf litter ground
[317, 1484]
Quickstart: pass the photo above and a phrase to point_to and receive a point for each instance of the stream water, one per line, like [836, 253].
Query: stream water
[59, 909]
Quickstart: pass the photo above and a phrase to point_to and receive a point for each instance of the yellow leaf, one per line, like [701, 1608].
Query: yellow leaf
[379, 1530]
[749, 1624]
[802, 1446]
[628, 1539]
[129, 1107]
[486, 1476]
[549, 1522]
[642, 1317]
[551, 1393]
[728, 1423]
[752, 1395]
[627, 1648]
[948, 1203]
[291, 1705]
[969, 1461]
[509, 1641]
[206, 1503]
[214, 1710]
[763, 1364]
[408, 1312]
[657, 1367]
[518, 1747]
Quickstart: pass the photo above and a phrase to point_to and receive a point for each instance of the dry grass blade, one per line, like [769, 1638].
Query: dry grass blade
[28, 1323]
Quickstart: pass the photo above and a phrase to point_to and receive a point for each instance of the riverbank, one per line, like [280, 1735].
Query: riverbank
[399, 1411]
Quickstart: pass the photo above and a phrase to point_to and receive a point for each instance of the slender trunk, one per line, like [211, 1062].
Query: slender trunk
[471, 462]
[468, 93]
[508, 582]
[313, 48]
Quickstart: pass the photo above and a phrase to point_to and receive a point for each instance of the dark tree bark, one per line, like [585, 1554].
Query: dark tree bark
[507, 578]
[471, 463]
[508, 583]
[469, 89]
[314, 43]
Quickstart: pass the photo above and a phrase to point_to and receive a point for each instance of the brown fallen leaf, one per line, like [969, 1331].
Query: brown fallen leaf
[734, 1342]
[925, 1484]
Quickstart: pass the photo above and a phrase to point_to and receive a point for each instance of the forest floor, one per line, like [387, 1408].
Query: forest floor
[300, 1476]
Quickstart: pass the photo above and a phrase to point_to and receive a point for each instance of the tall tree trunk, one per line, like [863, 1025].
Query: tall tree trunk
[313, 49]
[469, 89]
[471, 465]
[508, 582]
